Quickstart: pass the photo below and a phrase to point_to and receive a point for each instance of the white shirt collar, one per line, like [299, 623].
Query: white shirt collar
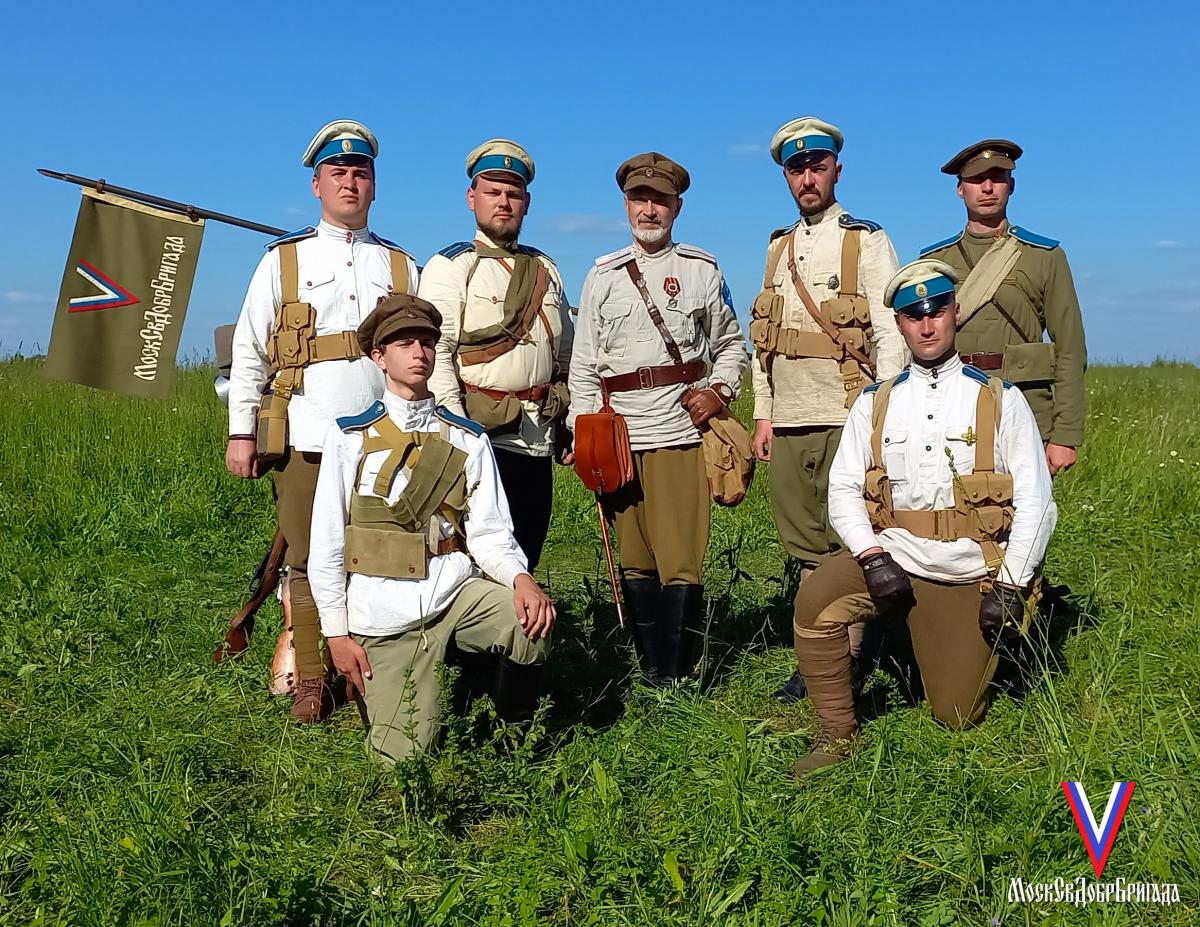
[830, 214]
[951, 365]
[408, 415]
[485, 239]
[328, 230]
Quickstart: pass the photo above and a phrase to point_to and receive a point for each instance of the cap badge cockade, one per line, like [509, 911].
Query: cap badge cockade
[347, 145]
[922, 290]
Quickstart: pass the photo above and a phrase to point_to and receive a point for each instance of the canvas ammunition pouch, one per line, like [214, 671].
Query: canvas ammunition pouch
[499, 411]
[396, 540]
[844, 322]
[294, 344]
[1029, 364]
[983, 509]
[728, 458]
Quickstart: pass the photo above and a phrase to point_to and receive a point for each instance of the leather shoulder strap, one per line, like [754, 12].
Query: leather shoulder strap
[289, 273]
[774, 256]
[399, 271]
[878, 414]
[640, 282]
[851, 249]
[987, 420]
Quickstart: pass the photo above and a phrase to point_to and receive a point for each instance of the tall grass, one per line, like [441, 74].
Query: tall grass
[139, 784]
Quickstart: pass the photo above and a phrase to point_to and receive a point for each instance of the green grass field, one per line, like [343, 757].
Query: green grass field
[141, 785]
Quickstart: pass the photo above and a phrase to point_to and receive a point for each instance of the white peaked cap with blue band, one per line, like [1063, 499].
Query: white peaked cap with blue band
[339, 138]
[803, 138]
[503, 155]
[921, 288]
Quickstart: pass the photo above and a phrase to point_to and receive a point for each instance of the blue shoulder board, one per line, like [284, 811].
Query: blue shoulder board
[975, 374]
[363, 419]
[1027, 237]
[848, 221]
[903, 375]
[531, 250]
[874, 387]
[389, 244]
[454, 250]
[1008, 385]
[299, 235]
[779, 233]
[457, 420]
[938, 246]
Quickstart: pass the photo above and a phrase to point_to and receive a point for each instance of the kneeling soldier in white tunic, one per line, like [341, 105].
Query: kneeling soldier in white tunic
[941, 494]
[658, 339]
[408, 519]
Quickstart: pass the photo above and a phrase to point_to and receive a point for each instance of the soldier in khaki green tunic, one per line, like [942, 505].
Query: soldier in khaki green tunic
[820, 334]
[1017, 289]
[941, 492]
[658, 338]
[412, 547]
[506, 336]
[296, 365]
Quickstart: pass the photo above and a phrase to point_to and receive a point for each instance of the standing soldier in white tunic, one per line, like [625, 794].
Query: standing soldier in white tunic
[297, 365]
[942, 494]
[506, 336]
[658, 338]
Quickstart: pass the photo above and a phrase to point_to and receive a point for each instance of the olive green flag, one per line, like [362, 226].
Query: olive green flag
[123, 297]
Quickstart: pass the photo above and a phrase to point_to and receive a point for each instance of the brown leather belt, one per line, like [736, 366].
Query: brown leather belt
[450, 545]
[533, 394]
[984, 361]
[650, 377]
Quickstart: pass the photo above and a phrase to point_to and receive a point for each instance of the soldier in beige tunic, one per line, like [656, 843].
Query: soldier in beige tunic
[820, 334]
[506, 336]
[667, 376]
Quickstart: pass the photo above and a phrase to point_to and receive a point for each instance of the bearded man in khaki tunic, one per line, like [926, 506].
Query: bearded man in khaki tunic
[506, 336]
[657, 338]
[820, 334]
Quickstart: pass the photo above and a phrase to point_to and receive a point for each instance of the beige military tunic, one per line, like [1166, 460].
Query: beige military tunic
[616, 335]
[545, 350]
[808, 391]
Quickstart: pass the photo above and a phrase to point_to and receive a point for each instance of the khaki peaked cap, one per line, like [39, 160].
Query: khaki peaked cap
[983, 156]
[653, 170]
[399, 312]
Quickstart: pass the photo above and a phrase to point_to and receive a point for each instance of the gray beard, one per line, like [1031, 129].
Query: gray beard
[650, 236]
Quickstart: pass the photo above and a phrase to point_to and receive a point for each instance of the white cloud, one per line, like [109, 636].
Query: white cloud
[584, 223]
[1168, 243]
[24, 298]
[294, 211]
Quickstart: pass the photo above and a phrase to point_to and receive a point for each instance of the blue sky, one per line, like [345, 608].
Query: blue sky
[214, 104]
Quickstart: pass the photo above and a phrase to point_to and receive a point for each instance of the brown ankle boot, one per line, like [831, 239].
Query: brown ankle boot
[825, 664]
[313, 701]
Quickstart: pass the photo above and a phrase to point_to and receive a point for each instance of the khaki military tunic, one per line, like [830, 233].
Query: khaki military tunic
[807, 391]
[1038, 295]
[545, 351]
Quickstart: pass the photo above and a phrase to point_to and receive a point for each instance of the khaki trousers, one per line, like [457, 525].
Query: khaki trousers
[295, 485]
[956, 664]
[662, 516]
[402, 696]
[799, 478]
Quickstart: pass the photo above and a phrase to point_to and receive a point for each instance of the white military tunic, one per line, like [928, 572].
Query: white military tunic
[616, 335]
[809, 390]
[928, 416]
[531, 363]
[377, 606]
[343, 274]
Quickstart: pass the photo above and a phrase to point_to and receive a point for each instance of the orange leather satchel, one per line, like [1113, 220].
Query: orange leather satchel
[603, 456]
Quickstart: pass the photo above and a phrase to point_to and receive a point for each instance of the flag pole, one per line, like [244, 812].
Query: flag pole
[102, 186]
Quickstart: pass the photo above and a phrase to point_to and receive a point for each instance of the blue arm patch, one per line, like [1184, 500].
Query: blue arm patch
[299, 235]
[465, 424]
[938, 246]
[1026, 236]
[364, 418]
[459, 247]
[726, 296]
[848, 221]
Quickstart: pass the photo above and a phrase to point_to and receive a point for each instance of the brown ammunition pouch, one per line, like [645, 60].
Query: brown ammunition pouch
[1028, 364]
[396, 540]
[294, 344]
[844, 322]
[603, 454]
[983, 509]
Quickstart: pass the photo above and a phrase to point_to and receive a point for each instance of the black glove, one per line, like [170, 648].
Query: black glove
[889, 586]
[1001, 614]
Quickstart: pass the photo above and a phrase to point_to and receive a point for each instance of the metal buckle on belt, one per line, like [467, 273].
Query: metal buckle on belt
[645, 377]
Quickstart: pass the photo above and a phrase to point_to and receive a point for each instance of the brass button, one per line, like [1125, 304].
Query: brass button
[412, 569]
[354, 560]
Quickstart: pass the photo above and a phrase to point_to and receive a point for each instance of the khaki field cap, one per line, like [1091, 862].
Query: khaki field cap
[398, 313]
[921, 287]
[805, 138]
[501, 155]
[653, 170]
[983, 156]
[339, 139]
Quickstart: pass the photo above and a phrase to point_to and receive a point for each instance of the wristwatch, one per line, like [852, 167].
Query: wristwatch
[724, 393]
